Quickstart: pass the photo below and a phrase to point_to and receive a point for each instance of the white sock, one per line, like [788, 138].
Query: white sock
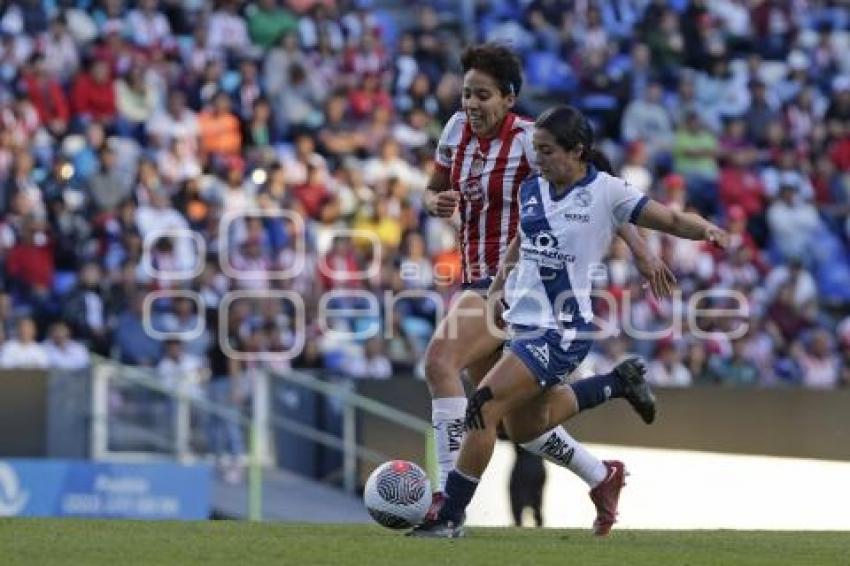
[558, 447]
[447, 416]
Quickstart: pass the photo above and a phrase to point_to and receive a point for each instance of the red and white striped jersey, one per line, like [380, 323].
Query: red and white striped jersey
[487, 173]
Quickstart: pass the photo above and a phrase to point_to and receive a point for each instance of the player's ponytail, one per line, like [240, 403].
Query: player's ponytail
[571, 129]
[599, 160]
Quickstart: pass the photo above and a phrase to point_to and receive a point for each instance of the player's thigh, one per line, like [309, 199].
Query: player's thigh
[478, 369]
[552, 408]
[551, 359]
[528, 420]
[464, 335]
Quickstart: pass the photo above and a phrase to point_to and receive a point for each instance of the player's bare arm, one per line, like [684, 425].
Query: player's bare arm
[654, 270]
[440, 201]
[656, 216]
[511, 259]
[496, 289]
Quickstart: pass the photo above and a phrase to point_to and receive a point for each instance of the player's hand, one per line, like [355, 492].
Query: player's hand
[661, 280]
[718, 237]
[443, 204]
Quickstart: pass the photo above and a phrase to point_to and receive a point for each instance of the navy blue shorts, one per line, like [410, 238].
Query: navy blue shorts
[549, 354]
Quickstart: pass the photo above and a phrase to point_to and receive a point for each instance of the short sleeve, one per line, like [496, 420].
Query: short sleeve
[528, 151]
[626, 201]
[449, 140]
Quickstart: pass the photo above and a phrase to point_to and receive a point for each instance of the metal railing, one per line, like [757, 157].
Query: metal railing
[352, 402]
[106, 372]
[261, 423]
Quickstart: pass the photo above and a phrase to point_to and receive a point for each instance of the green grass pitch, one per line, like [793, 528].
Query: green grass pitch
[91, 543]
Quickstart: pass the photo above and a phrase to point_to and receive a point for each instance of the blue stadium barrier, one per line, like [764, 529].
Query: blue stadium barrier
[79, 488]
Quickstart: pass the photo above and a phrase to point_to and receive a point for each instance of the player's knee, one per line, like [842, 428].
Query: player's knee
[482, 413]
[440, 365]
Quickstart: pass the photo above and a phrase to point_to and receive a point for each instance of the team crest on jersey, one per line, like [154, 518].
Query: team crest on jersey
[477, 165]
[583, 198]
[473, 188]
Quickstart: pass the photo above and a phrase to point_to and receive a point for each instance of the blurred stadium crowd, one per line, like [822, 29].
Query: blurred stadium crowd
[121, 120]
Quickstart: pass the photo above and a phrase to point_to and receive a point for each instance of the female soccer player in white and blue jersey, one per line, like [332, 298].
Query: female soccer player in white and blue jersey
[568, 217]
[484, 154]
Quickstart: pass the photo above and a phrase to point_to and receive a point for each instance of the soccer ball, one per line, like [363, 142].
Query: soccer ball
[398, 494]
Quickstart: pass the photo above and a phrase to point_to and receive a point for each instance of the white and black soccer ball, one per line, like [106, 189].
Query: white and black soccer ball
[398, 494]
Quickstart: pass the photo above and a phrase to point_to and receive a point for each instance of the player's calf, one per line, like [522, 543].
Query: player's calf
[627, 380]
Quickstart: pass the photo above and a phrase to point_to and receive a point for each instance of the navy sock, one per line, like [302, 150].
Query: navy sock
[459, 492]
[596, 390]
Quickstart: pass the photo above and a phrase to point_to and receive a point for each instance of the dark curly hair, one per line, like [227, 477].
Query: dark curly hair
[497, 61]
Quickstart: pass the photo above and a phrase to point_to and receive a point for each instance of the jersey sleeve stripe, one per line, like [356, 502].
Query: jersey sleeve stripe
[465, 212]
[637, 209]
[460, 156]
[495, 210]
[521, 174]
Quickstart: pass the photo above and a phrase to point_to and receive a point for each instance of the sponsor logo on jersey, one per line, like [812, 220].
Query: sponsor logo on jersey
[558, 450]
[574, 217]
[540, 353]
[545, 240]
[543, 249]
[546, 257]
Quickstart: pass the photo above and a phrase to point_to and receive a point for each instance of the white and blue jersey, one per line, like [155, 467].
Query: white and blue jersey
[563, 239]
